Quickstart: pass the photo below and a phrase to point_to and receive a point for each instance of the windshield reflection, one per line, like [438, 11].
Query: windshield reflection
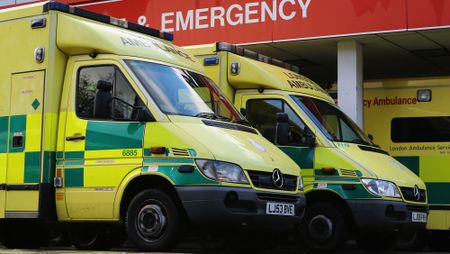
[332, 121]
[182, 92]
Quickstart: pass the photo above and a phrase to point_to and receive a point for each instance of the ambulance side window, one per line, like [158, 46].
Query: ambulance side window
[261, 113]
[103, 93]
[125, 101]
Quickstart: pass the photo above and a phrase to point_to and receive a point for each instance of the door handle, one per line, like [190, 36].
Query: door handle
[76, 137]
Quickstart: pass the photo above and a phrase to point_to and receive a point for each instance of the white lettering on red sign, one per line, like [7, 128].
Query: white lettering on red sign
[235, 14]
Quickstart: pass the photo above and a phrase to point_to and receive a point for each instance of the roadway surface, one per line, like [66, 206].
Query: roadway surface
[350, 248]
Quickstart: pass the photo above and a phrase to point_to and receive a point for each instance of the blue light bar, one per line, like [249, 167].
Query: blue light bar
[210, 61]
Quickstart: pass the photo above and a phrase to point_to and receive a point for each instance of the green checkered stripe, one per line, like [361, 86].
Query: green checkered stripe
[32, 160]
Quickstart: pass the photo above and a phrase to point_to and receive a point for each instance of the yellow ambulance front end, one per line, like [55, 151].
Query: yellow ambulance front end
[381, 187]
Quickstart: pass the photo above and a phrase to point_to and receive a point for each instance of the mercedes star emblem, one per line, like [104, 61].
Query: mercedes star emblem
[277, 178]
[416, 192]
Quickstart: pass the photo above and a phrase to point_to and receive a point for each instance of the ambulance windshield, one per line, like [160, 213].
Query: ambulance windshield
[332, 121]
[182, 92]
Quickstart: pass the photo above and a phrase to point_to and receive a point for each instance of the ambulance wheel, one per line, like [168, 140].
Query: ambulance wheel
[89, 236]
[411, 240]
[153, 221]
[376, 241]
[324, 227]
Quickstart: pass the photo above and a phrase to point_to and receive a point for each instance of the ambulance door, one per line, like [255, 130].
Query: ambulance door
[103, 139]
[24, 160]
[261, 113]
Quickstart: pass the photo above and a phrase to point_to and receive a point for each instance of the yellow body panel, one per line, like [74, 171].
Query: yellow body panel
[102, 176]
[3, 163]
[80, 203]
[29, 201]
[15, 168]
[438, 220]
[2, 203]
[34, 133]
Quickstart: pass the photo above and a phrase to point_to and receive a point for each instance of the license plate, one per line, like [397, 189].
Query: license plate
[418, 217]
[282, 209]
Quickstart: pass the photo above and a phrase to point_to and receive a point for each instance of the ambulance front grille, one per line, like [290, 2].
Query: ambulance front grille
[264, 180]
[347, 172]
[408, 194]
[180, 152]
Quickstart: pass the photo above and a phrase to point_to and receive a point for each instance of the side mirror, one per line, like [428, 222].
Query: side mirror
[282, 130]
[139, 113]
[309, 138]
[243, 111]
[370, 136]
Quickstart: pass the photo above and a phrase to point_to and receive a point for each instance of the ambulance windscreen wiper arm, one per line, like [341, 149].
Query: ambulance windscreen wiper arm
[207, 115]
[213, 116]
[242, 122]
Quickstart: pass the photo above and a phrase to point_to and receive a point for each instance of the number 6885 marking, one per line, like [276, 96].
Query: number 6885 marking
[129, 153]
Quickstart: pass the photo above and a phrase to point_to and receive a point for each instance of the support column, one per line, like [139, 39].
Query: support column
[350, 80]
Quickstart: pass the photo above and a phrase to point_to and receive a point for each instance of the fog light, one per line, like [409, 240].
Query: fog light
[231, 198]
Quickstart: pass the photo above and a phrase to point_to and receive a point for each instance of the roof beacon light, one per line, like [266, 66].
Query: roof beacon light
[118, 22]
[222, 46]
[208, 61]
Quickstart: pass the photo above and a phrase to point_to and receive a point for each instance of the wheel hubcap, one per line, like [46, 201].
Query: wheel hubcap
[151, 221]
[320, 227]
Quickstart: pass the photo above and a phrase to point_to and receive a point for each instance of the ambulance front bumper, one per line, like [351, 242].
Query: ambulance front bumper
[231, 207]
[387, 215]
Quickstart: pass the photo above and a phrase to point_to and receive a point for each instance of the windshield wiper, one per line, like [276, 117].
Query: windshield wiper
[212, 116]
[360, 141]
[242, 121]
[207, 115]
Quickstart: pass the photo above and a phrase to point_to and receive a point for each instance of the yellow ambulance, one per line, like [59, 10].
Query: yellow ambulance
[105, 123]
[410, 119]
[353, 188]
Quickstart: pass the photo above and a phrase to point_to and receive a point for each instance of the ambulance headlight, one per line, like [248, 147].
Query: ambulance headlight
[222, 171]
[381, 187]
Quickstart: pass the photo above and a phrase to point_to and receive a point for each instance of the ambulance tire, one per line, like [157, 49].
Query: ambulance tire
[89, 236]
[154, 222]
[324, 227]
[376, 241]
[411, 240]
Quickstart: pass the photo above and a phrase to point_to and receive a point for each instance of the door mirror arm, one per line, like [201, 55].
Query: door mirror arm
[310, 138]
[142, 112]
[282, 129]
[144, 115]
